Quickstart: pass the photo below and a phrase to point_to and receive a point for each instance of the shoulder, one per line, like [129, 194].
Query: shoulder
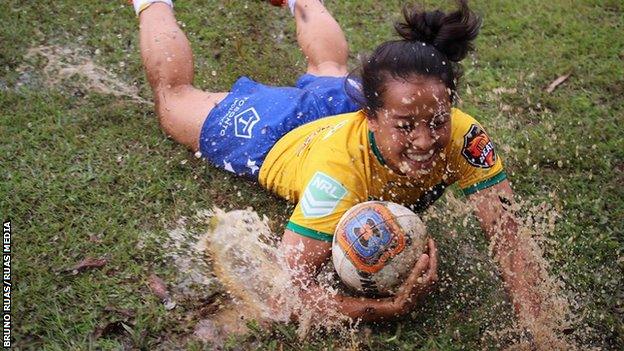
[340, 147]
[473, 158]
[461, 122]
[470, 141]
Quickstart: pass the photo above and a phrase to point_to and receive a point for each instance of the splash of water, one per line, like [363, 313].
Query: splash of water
[254, 271]
[185, 249]
[239, 250]
[63, 64]
[536, 224]
[238, 256]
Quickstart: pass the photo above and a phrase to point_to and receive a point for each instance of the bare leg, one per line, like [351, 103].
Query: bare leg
[168, 61]
[321, 39]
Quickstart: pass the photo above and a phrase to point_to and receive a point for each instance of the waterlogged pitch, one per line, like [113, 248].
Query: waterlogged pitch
[116, 237]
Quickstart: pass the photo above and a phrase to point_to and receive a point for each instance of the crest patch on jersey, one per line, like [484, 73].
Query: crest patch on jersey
[321, 196]
[478, 149]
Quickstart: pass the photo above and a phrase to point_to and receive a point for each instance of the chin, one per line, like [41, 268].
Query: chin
[414, 169]
[417, 173]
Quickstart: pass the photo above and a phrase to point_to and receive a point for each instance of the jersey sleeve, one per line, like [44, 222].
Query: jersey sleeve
[475, 159]
[323, 202]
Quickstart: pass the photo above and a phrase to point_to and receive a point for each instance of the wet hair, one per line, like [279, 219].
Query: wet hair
[432, 45]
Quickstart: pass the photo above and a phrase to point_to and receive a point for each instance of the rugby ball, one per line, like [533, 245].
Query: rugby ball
[376, 245]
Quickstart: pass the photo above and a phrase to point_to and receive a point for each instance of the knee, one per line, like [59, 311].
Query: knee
[163, 112]
[164, 99]
[181, 112]
[329, 69]
[166, 117]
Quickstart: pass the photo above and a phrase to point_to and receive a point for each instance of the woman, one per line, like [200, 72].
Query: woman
[406, 144]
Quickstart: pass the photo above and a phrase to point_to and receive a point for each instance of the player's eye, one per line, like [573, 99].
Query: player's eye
[404, 127]
[405, 130]
[439, 121]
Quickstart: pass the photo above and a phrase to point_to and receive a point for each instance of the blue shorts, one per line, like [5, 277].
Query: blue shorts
[239, 132]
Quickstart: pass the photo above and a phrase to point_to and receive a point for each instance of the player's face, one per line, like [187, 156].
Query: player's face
[414, 125]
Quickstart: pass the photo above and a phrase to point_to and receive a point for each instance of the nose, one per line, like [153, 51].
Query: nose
[421, 138]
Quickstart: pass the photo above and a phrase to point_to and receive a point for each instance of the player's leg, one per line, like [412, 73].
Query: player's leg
[321, 39]
[168, 60]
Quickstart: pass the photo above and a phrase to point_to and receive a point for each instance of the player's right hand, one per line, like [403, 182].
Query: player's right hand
[419, 282]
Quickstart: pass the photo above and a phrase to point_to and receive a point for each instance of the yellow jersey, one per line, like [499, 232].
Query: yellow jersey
[331, 164]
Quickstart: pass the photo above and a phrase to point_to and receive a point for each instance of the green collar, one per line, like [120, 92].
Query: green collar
[371, 140]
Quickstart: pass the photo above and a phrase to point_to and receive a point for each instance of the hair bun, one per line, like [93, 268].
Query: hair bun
[450, 33]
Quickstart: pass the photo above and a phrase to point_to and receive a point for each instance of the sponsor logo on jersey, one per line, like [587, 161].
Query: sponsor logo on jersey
[244, 123]
[371, 237]
[334, 129]
[307, 141]
[478, 149]
[321, 196]
[228, 119]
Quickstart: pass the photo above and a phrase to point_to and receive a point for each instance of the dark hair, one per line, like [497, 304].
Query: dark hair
[433, 44]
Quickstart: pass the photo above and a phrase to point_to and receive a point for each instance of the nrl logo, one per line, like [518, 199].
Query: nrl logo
[244, 123]
[321, 196]
[478, 149]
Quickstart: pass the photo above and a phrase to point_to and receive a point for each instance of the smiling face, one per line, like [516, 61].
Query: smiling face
[413, 126]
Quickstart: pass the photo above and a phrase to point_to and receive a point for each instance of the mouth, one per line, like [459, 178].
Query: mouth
[417, 162]
[420, 157]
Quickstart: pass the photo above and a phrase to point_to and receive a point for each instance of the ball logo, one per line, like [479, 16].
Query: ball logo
[478, 149]
[371, 237]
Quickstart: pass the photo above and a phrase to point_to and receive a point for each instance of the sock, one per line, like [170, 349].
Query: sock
[140, 5]
[291, 6]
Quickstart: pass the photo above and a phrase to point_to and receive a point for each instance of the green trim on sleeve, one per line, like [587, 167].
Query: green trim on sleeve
[310, 233]
[499, 177]
[376, 152]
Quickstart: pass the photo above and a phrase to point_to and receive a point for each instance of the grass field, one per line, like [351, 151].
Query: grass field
[87, 173]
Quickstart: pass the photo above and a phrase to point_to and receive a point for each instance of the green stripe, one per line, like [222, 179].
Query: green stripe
[485, 183]
[371, 140]
[310, 233]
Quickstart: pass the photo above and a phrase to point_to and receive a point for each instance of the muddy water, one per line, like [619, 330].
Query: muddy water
[53, 66]
[237, 255]
[247, 264]
[253, 271]
[536, 223]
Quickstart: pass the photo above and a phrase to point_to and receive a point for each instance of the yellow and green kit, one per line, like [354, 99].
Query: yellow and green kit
[331, 164]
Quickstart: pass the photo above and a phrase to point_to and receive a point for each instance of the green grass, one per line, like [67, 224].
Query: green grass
[77, 163]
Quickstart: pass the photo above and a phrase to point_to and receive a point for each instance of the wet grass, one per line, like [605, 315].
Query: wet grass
[87, 174]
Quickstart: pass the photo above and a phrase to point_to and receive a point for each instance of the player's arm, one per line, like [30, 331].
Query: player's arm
[520, 274]
[305, 256]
